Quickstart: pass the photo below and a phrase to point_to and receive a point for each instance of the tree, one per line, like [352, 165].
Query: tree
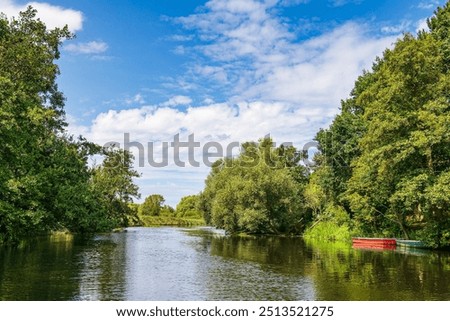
[167, 210]
[406, 147]
[314, 196]
[152, 205]
[113, 183]
[189, 207]
[37, 161]
[258, 192]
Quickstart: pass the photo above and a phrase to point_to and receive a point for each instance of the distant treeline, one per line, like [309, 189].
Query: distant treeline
[153, 212]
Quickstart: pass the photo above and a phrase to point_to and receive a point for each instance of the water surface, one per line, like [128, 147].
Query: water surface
[204, 264]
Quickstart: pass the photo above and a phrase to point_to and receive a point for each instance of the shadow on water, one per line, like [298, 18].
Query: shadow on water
[62, 267]
[39, 270]
[343, 273]
[103, 268]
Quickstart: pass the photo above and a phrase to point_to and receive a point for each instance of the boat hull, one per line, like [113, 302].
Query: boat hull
[374, 243]
[411, 243]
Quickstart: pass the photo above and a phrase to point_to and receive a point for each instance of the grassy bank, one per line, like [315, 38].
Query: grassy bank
[334, 225]
[149, 221]
[328, 231]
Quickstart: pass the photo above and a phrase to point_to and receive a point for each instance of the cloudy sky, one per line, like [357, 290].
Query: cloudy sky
[224, 70]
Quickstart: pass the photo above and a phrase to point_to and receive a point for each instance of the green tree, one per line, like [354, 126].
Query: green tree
[113, 183]
[386, 156]
[315, 197]
[189, 207]
[257, 192]
[406, 148]
[39, 164]
[167, 210]
[152, 205]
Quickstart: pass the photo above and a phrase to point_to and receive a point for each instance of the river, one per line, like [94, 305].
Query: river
[204, 264]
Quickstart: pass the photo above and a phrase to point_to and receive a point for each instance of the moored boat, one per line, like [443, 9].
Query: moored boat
[411, 243]
[374, 243]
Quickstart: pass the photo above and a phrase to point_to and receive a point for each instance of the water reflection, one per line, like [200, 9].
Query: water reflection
[162, 264]
[103, 268]
[342, 273]
[204, 264]
[259, 268]
[44, 270]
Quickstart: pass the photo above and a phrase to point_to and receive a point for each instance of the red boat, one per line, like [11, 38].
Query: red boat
[374, 243]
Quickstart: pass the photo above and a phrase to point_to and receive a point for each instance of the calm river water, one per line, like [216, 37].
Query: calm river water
[204, 264]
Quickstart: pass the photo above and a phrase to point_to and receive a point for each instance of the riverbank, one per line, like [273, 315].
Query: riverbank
[327, 231]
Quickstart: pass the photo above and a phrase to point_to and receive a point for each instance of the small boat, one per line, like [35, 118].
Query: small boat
[411, 243]
[374, 243]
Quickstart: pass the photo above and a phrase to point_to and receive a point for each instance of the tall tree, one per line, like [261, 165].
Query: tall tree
[45, 181]
[113, 183]
[152, 205]
[31, 125]
[189, 207]
[258, 192]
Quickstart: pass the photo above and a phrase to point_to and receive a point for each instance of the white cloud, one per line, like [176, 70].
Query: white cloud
[428, 4]
[181, 37]
[321, 71]
[256, 56]
[289, 3]
[177, 101]
[402, 27]
[179, 50]
[212, 72]
[136, 99]
[87, 48]
[53, 16]
[208, 101]
[223, 123]
[422, 24]
[339, 3]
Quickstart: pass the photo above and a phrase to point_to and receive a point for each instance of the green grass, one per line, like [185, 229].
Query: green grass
[328, 231]
[148, 221]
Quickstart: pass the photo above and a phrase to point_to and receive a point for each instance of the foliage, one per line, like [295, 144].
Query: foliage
[334, 225]
[113, 184]
[315, 197]
[152, 205]
[258, 192]
[386, 157]
[45, 181]
[133, 217]
[168, 211]
[151, 221]
[328, 231]
[406, 148]
[189, 207]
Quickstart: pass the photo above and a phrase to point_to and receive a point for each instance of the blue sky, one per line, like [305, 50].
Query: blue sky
[226, 71]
